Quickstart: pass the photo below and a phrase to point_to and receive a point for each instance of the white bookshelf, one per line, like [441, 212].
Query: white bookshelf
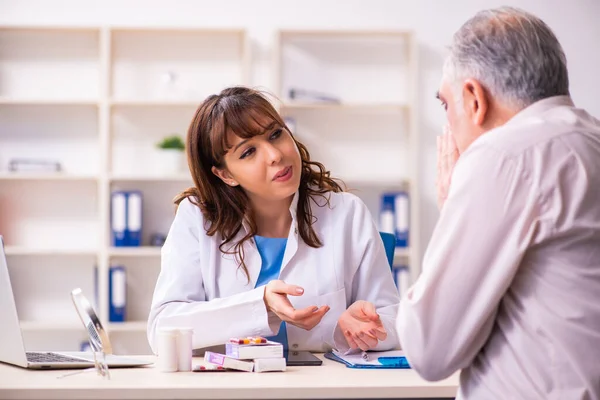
[142, 251]
[97, 99]
[368, 136]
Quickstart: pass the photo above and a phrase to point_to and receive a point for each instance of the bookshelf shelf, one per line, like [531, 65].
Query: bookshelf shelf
[47, 102]
[145, 251]
[157, 179]
[155, 103]
[44, 326]
[350, 107]
[50, 176]
[32, 251]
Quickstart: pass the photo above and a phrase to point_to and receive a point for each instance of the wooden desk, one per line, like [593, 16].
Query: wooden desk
[331, 380]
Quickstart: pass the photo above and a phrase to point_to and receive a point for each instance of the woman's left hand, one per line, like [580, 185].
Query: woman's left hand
[362, 326]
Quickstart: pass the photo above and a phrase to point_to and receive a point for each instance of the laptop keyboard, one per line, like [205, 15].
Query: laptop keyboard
[51, 358]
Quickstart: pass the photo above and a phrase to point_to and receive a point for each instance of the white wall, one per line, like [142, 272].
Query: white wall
[575, 22]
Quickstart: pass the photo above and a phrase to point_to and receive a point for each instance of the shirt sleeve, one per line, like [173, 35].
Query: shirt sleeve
[180, 299]
[484, 229]
[372, 281]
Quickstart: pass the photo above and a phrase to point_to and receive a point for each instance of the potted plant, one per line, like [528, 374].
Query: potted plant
[170, 155]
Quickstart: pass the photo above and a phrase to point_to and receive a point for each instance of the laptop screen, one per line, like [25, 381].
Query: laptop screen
[12, 348]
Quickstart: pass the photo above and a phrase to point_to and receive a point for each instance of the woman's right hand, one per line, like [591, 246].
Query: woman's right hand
[276, 301]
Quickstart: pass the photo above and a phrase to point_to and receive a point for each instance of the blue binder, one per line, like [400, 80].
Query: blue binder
[117, 293]
[395, 216]
[118, 218]
[126, 218]
[134, 218]
[381, 360]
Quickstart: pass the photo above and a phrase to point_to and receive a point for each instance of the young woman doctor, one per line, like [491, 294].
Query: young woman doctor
[267, 244]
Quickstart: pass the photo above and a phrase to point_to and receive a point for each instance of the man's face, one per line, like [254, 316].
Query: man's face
[458, 118]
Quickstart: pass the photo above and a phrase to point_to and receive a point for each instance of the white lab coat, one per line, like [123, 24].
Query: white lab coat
[202, 288]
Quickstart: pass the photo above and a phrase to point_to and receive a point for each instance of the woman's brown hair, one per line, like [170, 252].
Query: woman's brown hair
[242, 111]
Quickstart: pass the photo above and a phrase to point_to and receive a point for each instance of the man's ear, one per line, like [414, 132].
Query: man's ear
[475, 101]
[224, 175]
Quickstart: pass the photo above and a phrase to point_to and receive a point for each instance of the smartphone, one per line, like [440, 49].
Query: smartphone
[299, 358]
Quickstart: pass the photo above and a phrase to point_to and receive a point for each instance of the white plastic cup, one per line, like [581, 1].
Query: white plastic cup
[167, 349]
[184, 349]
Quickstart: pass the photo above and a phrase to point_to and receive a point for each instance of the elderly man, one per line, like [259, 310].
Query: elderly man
[510, 287]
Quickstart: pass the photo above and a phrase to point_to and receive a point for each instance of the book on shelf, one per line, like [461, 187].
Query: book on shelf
[33, 165]
[312, 96]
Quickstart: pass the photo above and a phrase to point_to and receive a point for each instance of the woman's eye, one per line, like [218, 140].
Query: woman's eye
[247, 153]
[276, 134]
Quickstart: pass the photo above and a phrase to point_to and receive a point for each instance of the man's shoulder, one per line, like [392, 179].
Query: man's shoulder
[537, 131]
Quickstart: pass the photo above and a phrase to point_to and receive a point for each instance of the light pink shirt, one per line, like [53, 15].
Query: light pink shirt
[510, 287]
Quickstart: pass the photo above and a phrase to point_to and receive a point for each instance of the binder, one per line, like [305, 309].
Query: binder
[134, 218]
[85, 346]
[401, 213]
[117, 293]
[394, 216]
[394, 359]
[118, 222]
[386, 215]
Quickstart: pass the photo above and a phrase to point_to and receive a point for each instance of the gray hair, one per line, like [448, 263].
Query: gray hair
[512, 53]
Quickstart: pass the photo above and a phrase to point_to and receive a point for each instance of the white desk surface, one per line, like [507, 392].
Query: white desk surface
[331, 380]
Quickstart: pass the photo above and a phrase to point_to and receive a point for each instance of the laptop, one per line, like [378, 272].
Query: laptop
[12, 348]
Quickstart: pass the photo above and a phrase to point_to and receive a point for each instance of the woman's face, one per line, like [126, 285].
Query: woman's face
[266, 166]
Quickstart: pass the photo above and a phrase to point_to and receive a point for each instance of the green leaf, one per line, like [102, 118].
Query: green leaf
[171, 142]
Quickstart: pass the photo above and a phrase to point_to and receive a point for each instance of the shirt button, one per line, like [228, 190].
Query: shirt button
[296, 231]
[295, 346]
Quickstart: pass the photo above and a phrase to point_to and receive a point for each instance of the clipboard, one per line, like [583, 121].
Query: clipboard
[394, 359]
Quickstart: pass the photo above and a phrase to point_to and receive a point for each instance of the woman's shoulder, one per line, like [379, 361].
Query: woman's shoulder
[339, 202]
[189, 216]
[189, 205]
[347, 198]
[189, 211]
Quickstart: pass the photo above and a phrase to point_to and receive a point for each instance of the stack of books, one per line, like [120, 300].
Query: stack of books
[254, 354]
